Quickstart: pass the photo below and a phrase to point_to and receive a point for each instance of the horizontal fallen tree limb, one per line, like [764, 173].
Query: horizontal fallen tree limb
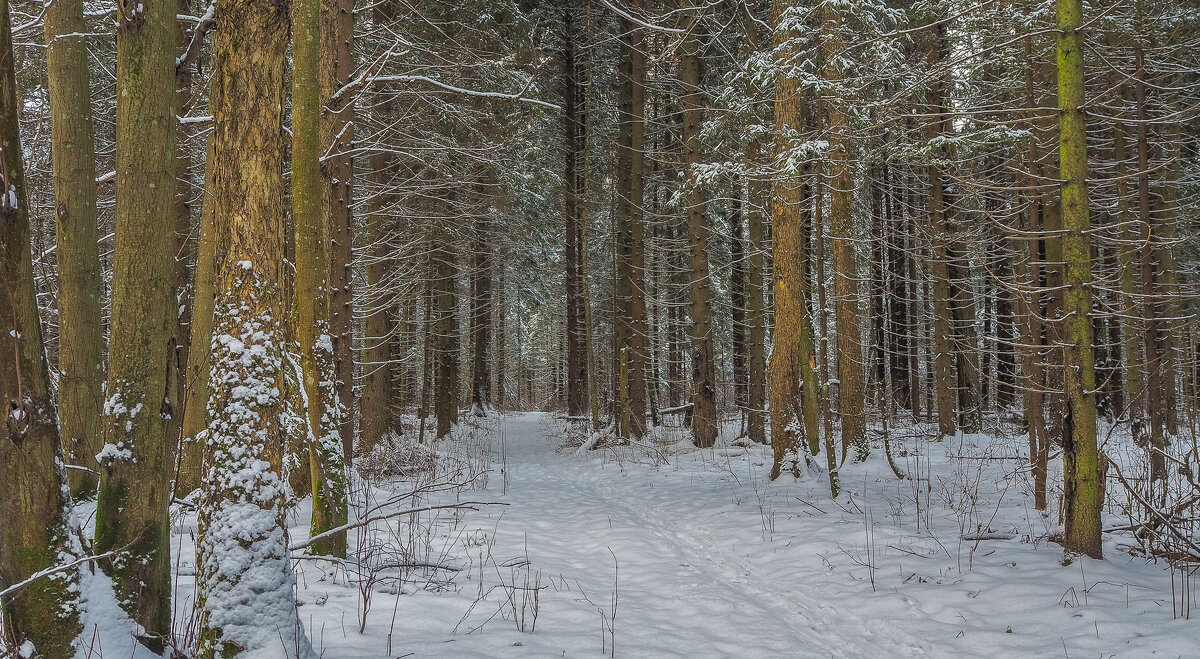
[464, 505]
[41, 574]
[990, 535]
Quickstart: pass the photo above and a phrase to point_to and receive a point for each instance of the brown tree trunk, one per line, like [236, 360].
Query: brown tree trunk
[80, 329]
[33, 508]
[574, 196]
[446, 335]
[841, 225]
[243, 513]
[944, 379]
[384, 328]
[337, 173]
[630, 330]
[311, 296]
[1149, 257]
[137, 429]
[1083, 487]
[737, 298]
[705, 424]
[481, 315]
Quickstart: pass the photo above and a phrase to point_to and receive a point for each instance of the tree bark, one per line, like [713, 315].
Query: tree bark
[793, 385]
[33, 510]
[242, 518]
[137, 427]
[574, 196]
[446, 334]
[481, 313]
[337, 177]
[386, 326]
[196, 376]
[943, 361]
[737, 298]
[311, 296]
[80, 330]
[1083, 490]
[705, 424]
[841, 225]
[630, 330]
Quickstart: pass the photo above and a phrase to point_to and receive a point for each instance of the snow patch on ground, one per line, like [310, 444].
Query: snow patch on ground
[670, 551]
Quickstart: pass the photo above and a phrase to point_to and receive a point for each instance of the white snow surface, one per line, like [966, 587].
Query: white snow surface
[702, 557]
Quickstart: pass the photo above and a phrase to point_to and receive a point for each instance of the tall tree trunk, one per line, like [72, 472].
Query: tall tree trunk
[1030, 271]
[705, 424]
[196, 376]
[574, 196]
[337, 177]
[243, 511]
[962, 311]
[841, 225]
[481, 314]
[943, 361]
[877, 364]
[793, 378]
[501, 352]
[1083, 489]
[80, 330]
[33, 510]
[385, 328]
[446, 334]
[1149, 257]
[756, 400]
[757, 193]
[185, 243]
[898, 305]
[631, 249]
[311, 295]
[737, 298]
[137, 429]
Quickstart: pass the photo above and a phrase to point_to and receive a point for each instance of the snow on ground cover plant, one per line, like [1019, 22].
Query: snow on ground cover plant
[660, 549]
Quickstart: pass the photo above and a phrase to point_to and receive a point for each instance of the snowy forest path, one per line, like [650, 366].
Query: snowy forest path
[684, 585]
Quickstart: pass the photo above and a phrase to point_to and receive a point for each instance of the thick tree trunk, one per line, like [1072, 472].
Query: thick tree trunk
[243, 511]
[1150, 261]
[898, 305]
[137, 424]
[1083, 489]
[185, 244]
[33, 510]
[793, 386]
[80, 330]
[758, 192]
[1030, 272]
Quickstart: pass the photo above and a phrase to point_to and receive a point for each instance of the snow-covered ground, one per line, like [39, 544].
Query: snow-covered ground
[669, 552]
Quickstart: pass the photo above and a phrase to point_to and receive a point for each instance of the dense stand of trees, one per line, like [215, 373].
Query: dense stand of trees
[809, 219]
